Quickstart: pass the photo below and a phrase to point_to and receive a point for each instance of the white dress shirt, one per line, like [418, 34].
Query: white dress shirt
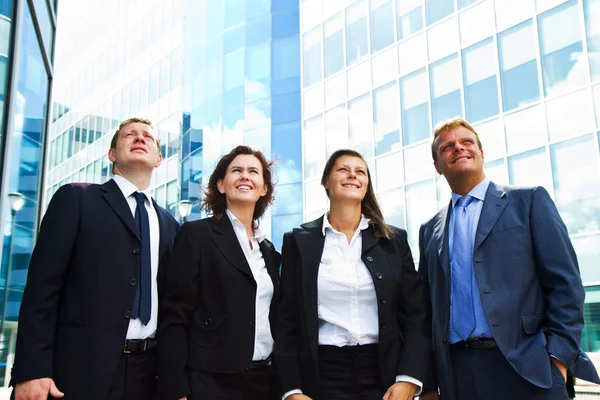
[263, 339]
[137, 330]
[347, 302]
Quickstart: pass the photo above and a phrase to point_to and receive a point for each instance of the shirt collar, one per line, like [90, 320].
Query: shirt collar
[362, 225]
[258, 234]
[477, 192]
[129, 188]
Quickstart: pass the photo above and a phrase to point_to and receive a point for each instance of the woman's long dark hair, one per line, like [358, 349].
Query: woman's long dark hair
[215, 202]
[369, 205]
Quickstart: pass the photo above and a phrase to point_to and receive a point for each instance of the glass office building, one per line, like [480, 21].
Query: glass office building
[242, 85]
[377, 75]
[27, 31]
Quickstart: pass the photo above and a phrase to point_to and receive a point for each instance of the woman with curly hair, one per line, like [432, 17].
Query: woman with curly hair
[218, 309]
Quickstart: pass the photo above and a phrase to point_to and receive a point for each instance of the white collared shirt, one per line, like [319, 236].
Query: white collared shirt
[347, 302]
[137, 330]
[263, 339]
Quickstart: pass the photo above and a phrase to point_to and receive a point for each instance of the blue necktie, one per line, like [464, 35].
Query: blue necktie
[142, 304]
[463, 315]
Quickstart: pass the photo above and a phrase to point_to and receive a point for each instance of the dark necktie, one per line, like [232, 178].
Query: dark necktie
[142, 304]
[463, 315]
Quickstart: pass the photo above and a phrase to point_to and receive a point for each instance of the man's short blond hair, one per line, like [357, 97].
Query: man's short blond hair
[115, 138]
[446, 126]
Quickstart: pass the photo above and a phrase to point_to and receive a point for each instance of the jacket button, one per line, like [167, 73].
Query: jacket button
[207, 321]
[249, 322]
[382, 301]
[370, 259]
[127, 314]
[136, 250]
[445, 340]
[383, 326]
[132, 281]
[378, 275]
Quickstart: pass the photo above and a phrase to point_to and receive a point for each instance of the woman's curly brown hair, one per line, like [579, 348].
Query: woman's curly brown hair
[215, 202]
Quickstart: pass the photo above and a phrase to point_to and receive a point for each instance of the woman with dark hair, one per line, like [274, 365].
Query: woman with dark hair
[351, 319]
[218, 310]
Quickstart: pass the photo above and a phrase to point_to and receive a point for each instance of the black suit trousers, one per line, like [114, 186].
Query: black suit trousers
[135, 378]
[261, 384]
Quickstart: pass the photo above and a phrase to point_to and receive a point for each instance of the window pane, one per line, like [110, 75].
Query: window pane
[392, 207]
[464, 3]
[438, 9]
[258, 72]
[286, 139]
[525, 129]
[511, 12]
[314, 148]
[443, 40]
[234, 12]
[563, 65]
[389, 171]
[315, 199]
[412, 54]
[445, 89]
[333, 45]
[518, 66]
[382, 24]
[477, 23]
[286, 65]
[590, 336]
[356, 32]
[418, 163]
[385, 66]
[289, 199]
[335, 90]
[496, 171]
[233, 79]
[591, 9]
[258, 30]
[385, 118]
[336, 132]
[410, 17]
[421, 204]
[360, 127]
[286, 23]
[596, 90]
[284, 223]
[313, 101]
[588, 254]
[233, 39]
[312, 56]
[359, 79]
[414, 102]
[577, 183]
[491, 134]
[481, 88]
[530, 169]
[570, 115]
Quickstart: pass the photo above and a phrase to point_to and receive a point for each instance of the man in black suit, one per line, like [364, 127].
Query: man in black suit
[89, 310]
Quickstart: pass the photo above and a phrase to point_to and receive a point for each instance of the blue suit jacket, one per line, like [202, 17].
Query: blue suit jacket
[528, 279]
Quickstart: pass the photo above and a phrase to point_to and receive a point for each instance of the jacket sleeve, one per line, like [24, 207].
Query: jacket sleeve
[289, 335]
[48, 267]
[559, 274]
[414, 360]
[176, 313]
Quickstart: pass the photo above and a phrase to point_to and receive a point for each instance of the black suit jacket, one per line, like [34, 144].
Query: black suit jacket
[72, 322]
[403, 347]
[207, 316]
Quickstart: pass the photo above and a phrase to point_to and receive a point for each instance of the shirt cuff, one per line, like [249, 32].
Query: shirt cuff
[410, 379]
[291, 392]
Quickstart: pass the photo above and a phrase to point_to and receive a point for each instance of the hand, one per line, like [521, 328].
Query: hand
[401, 391]
[431, 395]
[561, 367]
[183, 398]
[37, 389]
[298, 396]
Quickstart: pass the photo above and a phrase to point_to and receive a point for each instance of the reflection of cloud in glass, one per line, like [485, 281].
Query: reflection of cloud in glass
[288, 199]
[255, 89]
[287, 171]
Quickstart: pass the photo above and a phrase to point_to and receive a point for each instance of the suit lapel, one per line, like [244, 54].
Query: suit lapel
[272, 261]
[228, 244]
[440, 230]
[115, 199]
[493, 205]
[162, 228]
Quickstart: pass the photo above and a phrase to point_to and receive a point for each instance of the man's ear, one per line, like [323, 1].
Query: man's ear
[111, 155]
[435, 165]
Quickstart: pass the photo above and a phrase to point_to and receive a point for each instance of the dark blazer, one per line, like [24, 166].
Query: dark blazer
[73, 318]
[528, 279]
[403, 346]
[207, 316]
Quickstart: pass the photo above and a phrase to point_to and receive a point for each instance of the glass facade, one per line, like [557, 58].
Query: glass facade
[242, 86]
[27, 31]
[530, 86]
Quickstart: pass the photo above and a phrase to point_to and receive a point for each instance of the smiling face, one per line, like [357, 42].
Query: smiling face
[243, 181]
[459, 156]
[136, 147]
[348, 179]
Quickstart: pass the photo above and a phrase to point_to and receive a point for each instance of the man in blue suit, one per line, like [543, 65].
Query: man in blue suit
[505, 297]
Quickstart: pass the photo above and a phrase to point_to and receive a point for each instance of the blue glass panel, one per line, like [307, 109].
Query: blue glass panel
[382, 26]
[415, 113]
[258, 30]
[233, 79]
[481, 90]
[438, 9]
[256, 8]
[312, 56]
[289, 199]
[214, 17]
[234, 12]
[464, 3]
[6, 8]
[286, 23]
[46, 27]
[590, 336]
[196, 138]
[591, 11]
[286, 108]
[286, 65]
[409, 20]
[279, 5]
[446, 100]
[286, 145]
[356, 33]
[258, 71]
[214, 48]
[333, 50]
[22, 246]
[284, 223]
[385, 118]
[518, 66]
[233, 39]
